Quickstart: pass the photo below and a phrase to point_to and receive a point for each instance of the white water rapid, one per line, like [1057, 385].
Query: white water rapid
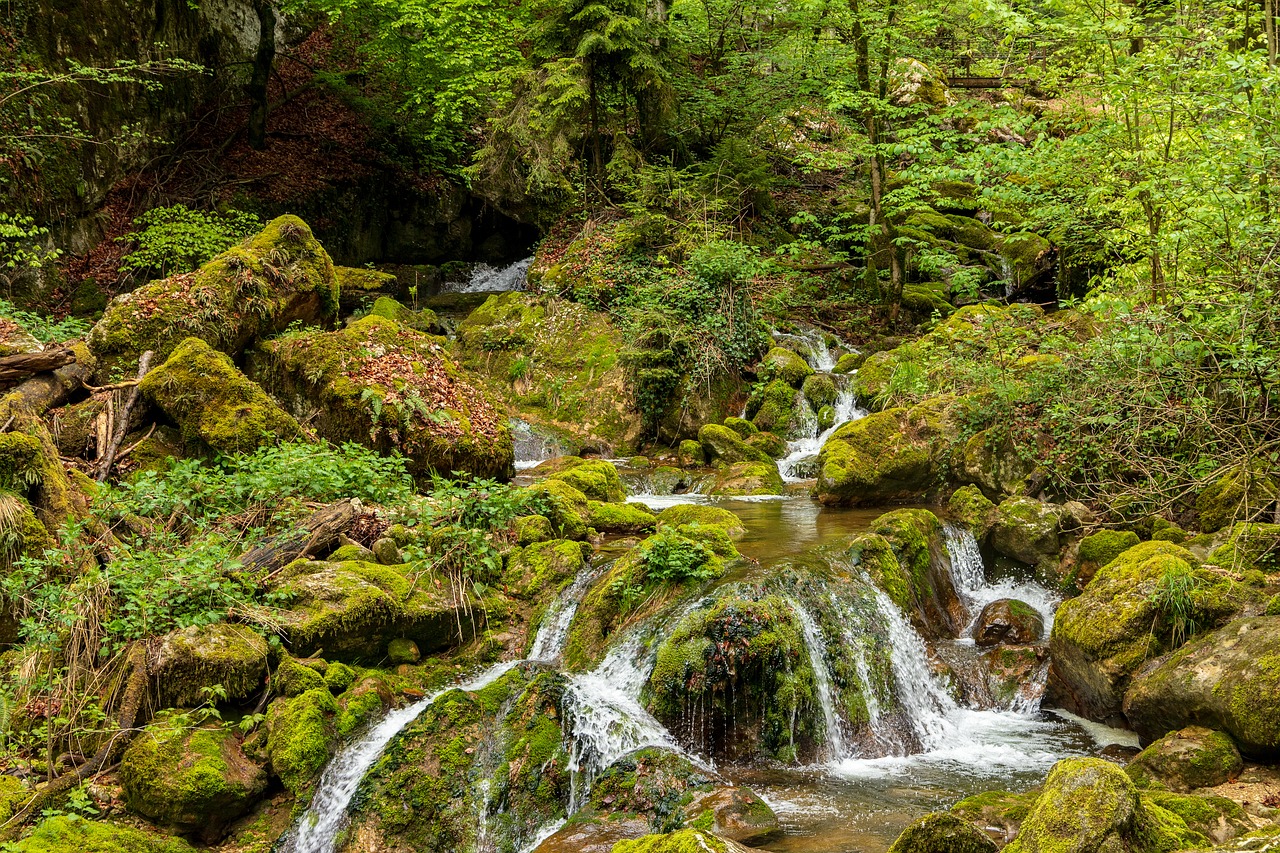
[822, 682]
[797, 466]
[489, 279]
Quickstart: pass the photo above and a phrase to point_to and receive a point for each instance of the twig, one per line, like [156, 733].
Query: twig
[119, 386]
[144, 364]
[134, 446]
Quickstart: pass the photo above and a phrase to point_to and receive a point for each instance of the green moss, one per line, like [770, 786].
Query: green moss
[1194, 757]
[301, 736]
[569, 512]
[620, 518]
[13, 793]
[541, 567]
[361, 705]
[781, 363]
[970, 507]
[597, 479]
[773, 408]
[682, 514]
[1236, 496]
[681, 841]
[819, 390]
[1098, 549]
[533, 528]
[291, 678]
[338, 677]
[691, 452]
[401, 650]
[71, 834]
[188, 660]
[748, 478]
[21, 461]
[849, 362]
[743, 427]
[1205, 815]
[989, 806]
[723, 446]
[423, 321]
[874, 460]
[1249, 545]
[192, 779]
[942, 832]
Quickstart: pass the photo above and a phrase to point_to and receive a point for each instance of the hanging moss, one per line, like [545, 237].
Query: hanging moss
[301, 735]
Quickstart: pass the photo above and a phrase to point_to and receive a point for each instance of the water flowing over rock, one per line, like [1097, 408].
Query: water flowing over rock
[490, 279]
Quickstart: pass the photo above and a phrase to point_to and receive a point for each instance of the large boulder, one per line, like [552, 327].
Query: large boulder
[74, 834]
[1028, 530]
[748, 478]
[877, 459]
[185, 661]
[542, 566]
[379, 384]
[943, 832]
[780, 409]
[916, 571]
[994, 465]
[722, 445]
[1239, 495]
[197, 781]
[280, 276]
[1098, 549]
[353, 609]
[1089, 805]
[674, 516]
[1227, 680]
[596, 478]
[216, 406]
[1191, 758]
[781, 363]
[302, 734]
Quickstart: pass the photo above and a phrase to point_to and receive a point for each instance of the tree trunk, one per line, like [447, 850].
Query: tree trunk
[261, 75]
[1269, 23]
[318, 532]
[1155, 215]
[593, 98]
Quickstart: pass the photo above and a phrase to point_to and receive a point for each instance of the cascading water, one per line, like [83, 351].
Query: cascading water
[801, 452]
[554, 630]
[812, 346]
[817, 646]
[489, 279]
[531, 446]
[969, 576]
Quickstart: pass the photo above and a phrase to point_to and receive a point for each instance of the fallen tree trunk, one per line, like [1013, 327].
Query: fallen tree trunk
[52, 388]
[321, 530]
[21, 365]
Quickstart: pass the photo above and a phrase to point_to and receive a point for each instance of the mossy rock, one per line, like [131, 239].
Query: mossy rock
[567, 509]
[1218, 818]
[819, 390]
[1098, 549]
[357, 284]
[627, 519]
[942, 832]
[544, 566]
[691, 452]
[875, 460]
[215, 405]
[734, 681]
[1193, 757]
[743, 427]
[1028, 530]
[773, 446]
[873, 377]
[970, 507]
[339, 677]
[681, 514]
[353, 609]
[277, 277]
[534, 528]
[389, 388]
[1228, 680]
[748, 478]
[402, 651]
[1238, 495]
[194, 780]
[917, 577]
[301, 736]
[722, 445]
[424, 320]
[597, 479]
[927, 298]
[190, 659]
[680, 841]
[1008, 620]
[994, 465]
[292, 678]
[30, 467]
[849, 362]
[1089, 805]
[777, 408]
[781, 363]
[1002, 810]
[1249, 545]
[74, 834]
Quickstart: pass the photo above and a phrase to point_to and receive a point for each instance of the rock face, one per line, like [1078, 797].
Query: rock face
[248, 292]
[216, 405]
[998, 470]
[1009, 621]
[914, 569]
[942, 833]
[379, 384]
[1028, 530]
[1089, 805]
[874, 460]
[1194, 757]
[1228, 680]
[184, 661]
[720, 444]
[195, 780]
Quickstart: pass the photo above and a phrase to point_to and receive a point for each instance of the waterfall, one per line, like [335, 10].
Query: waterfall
[822, 681]
[968, 574]
[803, 450]
[318, 828]
[554, 630]
[532, 447]
[925, 702]
[490, 279]
[812, 346]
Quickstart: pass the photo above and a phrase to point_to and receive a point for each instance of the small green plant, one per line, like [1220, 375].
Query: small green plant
[44, 329]
[668, 556]
[177, 239]
[1174, 599]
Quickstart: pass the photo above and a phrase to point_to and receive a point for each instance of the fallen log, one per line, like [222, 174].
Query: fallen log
[319, 531]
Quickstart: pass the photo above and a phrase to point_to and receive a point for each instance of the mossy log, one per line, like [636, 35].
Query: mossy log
[320, 531]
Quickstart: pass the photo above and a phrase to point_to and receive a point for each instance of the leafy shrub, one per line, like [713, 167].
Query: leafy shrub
[668, 556]
[178, 239]
[44, 329]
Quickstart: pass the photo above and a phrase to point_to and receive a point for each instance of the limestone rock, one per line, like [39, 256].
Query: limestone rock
[1009, 621]
[186, 660]
[1193, 757]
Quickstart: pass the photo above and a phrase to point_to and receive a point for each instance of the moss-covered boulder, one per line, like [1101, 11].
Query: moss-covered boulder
[691, 452]
[558, 363]
[184, 662]
[743, 427]
[1190, 758]
[423, 320]
[748, 478]
[675, 516]
[721, 445]
[1008, 620]
[216, 406]
[1089, 805]
[849, 362]
[680, 841]
[1228, 680]
[301, 736]
[781, 363]
[1102, 636]
[877, 459]
[942, 832]
[568, 509]
[352, 610]
[541, 567]
[379, 384]
[819, 390]
[916, 570]
[597, 479]
[31, 469]
[1249, 546]
[196, 781]
[275, 278]
[778, 408]
[994, 464]
[1028, 530]
[970, 507]
[74, 834]
[358, 285]
[1098, 549]
[734, 681]
[627, 519]
[1239, 495]
[772, 445]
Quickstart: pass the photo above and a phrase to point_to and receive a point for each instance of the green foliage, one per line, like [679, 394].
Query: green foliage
[668, 556]
[21, 244]
[1174, 598]
[44, 329]
[177, 239]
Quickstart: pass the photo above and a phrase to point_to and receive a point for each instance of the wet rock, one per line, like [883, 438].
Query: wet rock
[681, 841]
[781, 363]
[301, 736]
[970, 507]
[1000, 813]
[292, 677]
[379, 384]
[1010, 621]
[386, 552]
[748, 478]
[850, 362]
[597, 479]
[1027, 530]
[779, 409]
[735, 813]
[771, 444]
[942, 832]
[280, 276]
[722, 445]
[540, 567]
[196, 781]
[566, 508]
[1193, 757]
[1089, 805]
[187, 660]
[915, 571]
[819, 391]
[1228, 680]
